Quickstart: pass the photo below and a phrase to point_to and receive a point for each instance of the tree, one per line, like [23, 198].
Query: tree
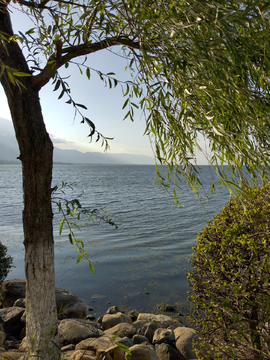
[229, 280]
[199, 69]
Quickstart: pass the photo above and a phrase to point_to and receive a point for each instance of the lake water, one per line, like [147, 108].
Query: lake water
[139, 264]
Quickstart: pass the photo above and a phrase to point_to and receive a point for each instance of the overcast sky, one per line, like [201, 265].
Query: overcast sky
[104, 107]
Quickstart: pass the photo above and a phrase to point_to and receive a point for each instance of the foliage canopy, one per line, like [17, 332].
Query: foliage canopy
[230, 280]
[5, 262]
[200, 70]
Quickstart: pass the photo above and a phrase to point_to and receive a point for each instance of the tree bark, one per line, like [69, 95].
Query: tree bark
[36, 152]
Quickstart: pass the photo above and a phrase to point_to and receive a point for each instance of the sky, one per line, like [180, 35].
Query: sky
[104, 107]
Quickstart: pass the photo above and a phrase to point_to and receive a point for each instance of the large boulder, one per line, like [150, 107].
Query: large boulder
[163, 336]
[167, 352]
[163, 321]
[82, 355]
[184, 341]
[72, 331]
[122, 330]
[68, 304]
[148, 330]
[12, 290]
[11, 321]
[142, 352]
[110, 320]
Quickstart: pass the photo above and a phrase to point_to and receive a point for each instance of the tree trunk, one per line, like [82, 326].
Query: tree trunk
[36, 152]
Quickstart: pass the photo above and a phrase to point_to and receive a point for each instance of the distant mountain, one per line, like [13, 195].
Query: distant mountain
[9, 151]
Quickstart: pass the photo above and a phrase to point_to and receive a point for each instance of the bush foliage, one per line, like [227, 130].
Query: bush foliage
[5, 262]
[229, 277]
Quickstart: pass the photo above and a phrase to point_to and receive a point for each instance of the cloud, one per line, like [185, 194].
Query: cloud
[57, 139]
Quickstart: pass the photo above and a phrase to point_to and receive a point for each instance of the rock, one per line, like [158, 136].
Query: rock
[148, 330]
[113, 310]
[183, 341]
[12, 343]
[11, 319]
[122, 329]
[139, 339]
[68, 304]
[110, 320]
[112, 353]
[83, 355]
[162, 320]
[72, 331]
[11, 355]
[163, 336]
[12, 290]
[23, 345]
[104, 347]
[90, 317]
[20, 303]
[127, 342]
[139, 323]
[2, 336]
[99, 344]
[142, 352]
[167, 352]
[133, 314]
[166, 307]
[68, 347]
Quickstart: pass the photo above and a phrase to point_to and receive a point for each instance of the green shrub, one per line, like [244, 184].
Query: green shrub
[5, 262]
[230, 276]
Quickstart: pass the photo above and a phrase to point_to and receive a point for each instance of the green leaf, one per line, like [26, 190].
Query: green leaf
[61, 226]
[81, 105]
[92, 268]
[19, 73]
[124, 348]
[57, 85]
[125, 103]
[70, 238]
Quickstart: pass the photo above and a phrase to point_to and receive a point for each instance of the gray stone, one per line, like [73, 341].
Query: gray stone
[139, 339]
[99, 344]
[11, 319]
[68, 347]
[127, 342]
[20, 303]
[2, 336]
[68, 304]
[183, 341]
[139, 323]
[148, 330]
[110, 320]
[162, 320]
[167, 352]
[113, 310]
[12, 290]
[72, 331]
[142, 352]
[122, 329]
[133, 314]
[163, 336]
[83, 355]
[112, 353]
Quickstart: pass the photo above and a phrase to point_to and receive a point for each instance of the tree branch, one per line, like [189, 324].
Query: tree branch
[72, 52]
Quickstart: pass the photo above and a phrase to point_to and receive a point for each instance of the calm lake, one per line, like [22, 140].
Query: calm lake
[139, 264]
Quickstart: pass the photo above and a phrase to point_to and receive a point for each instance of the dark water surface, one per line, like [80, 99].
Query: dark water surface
[139, 264]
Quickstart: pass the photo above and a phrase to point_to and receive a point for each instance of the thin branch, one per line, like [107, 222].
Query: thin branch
[74, 51]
